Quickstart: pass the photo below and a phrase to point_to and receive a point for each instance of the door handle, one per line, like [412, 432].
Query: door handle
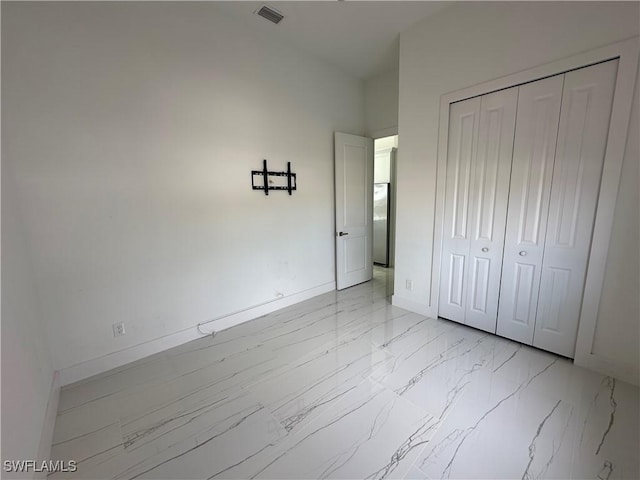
[522, 253]
[485, 249]
[342, 234]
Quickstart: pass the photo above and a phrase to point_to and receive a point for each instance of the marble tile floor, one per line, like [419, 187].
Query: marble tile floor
[347, 386]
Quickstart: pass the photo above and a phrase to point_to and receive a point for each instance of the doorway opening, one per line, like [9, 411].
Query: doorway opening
[384, 204]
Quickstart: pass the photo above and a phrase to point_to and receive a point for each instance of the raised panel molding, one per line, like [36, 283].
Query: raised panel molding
[487, 168]
[555, 291]
[356, 254]
[523, 292]
[570, 180]
[462, 166]
[456, 282]
[539, 162]
[355, 169]
[480, 284]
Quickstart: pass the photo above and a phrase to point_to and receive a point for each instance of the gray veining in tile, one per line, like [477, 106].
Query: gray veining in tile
[347, 386]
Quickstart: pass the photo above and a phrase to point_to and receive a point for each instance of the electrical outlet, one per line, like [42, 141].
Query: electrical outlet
[409, 285]
[118, 329]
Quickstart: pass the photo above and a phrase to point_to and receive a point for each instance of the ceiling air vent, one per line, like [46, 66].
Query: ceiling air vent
[270, 14]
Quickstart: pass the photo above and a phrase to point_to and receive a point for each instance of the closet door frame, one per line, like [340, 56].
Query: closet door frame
[626, 52]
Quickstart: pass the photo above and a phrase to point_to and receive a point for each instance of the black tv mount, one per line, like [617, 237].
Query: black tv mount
[264, 183]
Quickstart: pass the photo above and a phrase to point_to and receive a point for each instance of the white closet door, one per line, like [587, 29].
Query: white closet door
[531, 172]
[488, 207]
[464, 119]
[582, 137]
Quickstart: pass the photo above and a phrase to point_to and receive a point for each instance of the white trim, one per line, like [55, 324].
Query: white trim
[627, 52]
[49, 423]
[411, 305]
[384, 132]
[98, 365]
[609, 185]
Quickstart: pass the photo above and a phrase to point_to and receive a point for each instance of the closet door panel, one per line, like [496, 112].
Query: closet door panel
[488, 208]
[464, 120]
[584, 126]
[531, 173]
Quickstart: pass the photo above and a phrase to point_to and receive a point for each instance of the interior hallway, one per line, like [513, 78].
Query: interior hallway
[347, 386]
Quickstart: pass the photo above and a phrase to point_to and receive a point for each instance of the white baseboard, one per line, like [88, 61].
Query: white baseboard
[597, 363]
[49, 423]
[98, 365]
[412, 306]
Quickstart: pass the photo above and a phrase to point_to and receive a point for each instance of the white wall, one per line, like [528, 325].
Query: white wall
[132, 129]
[381, 104]
[618, 328]
[27, 372]
[465, 45]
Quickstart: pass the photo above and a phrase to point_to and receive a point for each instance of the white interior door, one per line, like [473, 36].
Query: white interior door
[478, 165]
[354, 209]
[531, 172]
[488, 209]
[464, 123]
[582, 137]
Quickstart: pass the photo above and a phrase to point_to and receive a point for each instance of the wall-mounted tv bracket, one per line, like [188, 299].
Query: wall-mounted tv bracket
[264, 183]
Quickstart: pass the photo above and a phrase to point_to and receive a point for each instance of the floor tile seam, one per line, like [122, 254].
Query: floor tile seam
[354, 328]
[255, 398]
[271, 375]
[395, 356]
[115, 448]
[363, 309]
[269, 406]
[424, 412]
[415, 465]
[328, 343]
[339, 337]
[328, 318]
[200, 387]
[538, 390]
[223, 397]
[354, 385]
[327, 346]
[58, 443]
[254, 407]
[440, 417]
[420, 408]
[121, 394]
[110, 373]
[296, 434]
[403, 351]
[517, 391]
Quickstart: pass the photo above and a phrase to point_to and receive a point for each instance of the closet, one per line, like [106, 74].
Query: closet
[523, 175]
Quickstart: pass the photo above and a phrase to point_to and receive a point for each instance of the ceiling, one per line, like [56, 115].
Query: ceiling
[360, 37]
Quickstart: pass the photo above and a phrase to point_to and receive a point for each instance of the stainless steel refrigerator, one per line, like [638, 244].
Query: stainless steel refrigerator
[381, 223]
